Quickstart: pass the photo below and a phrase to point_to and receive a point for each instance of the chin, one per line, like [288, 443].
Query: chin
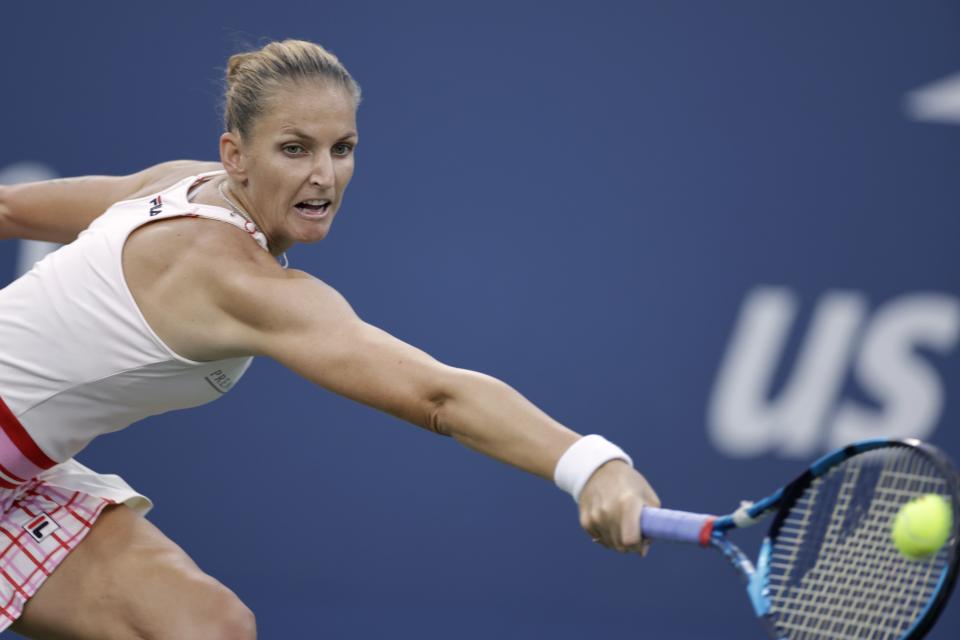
[308, 232]
[314, 236]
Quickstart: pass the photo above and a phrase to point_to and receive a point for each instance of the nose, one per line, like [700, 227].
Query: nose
[322, 175]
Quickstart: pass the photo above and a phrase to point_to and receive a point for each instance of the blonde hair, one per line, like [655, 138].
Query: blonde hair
[253, 76]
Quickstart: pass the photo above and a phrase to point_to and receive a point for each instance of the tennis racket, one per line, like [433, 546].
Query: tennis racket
[828, 567]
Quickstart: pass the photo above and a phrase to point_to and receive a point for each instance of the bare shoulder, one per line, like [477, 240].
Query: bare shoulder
[183, 274]
[210, 292]
[166, 174]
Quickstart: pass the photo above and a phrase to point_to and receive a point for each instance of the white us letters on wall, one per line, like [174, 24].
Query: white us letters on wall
[809, 414]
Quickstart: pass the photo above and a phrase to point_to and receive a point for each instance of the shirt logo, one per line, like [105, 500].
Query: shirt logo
[156, 203]
[219, 380]
[41, 527]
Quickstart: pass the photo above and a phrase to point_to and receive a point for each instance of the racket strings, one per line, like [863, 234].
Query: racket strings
[834, 572]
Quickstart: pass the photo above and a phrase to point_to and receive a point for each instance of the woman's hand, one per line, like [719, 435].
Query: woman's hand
[610, 506]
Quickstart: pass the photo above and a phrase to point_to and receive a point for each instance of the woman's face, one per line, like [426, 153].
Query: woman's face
[291, 170]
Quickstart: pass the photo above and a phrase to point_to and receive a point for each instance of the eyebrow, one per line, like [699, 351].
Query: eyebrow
[301, 134]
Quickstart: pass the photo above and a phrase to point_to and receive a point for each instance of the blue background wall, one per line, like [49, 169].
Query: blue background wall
[587, 201]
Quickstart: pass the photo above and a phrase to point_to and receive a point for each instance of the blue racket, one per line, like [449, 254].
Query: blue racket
[828, 567]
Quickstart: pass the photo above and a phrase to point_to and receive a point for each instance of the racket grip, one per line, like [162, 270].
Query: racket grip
[676, 526]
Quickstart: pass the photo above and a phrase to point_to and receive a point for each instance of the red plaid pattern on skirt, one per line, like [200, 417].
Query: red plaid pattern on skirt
[62, 518]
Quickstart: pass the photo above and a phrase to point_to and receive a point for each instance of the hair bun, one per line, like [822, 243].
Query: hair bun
[235, 65]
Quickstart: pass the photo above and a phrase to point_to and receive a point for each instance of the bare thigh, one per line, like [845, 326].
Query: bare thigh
[128, 581]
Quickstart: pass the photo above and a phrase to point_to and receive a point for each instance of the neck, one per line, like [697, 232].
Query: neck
[239, 207]
[227, 193]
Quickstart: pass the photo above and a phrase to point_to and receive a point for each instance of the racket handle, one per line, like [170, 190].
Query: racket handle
[676, 526]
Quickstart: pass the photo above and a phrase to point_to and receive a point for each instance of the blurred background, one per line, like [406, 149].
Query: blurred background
[722, 234]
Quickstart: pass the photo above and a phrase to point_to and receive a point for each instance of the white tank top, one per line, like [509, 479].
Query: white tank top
[78, 359]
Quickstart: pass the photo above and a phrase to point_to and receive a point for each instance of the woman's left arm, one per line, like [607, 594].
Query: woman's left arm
[58, 210]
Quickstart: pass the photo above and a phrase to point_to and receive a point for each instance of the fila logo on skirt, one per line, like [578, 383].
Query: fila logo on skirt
[41, 527]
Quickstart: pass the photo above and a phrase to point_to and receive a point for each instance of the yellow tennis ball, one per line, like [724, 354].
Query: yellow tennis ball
[922, 526]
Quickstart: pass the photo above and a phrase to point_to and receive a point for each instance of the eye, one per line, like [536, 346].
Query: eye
[293, 149]
[342, 149]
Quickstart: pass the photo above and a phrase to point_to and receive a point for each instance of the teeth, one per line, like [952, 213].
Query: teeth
[316, 203]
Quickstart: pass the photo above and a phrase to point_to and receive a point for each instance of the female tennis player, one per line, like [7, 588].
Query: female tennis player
[171, 280]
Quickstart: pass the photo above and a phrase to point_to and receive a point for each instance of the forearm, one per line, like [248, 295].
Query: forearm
[43, 211]
[58, 210]
[491, 417]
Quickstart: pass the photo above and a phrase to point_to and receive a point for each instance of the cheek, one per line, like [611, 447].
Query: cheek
[284, 180]
[269, 176]
[344, 174]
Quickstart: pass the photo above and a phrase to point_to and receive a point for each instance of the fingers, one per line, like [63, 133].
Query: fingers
[610, 507]
[593, 530]
[650, 498]
[644, 547]
[616, 526]
[630, 526]
[595, 522]
[619, 540]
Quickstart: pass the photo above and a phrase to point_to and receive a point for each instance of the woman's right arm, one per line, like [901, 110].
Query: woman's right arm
[58, 210]
[309, 327]
[211, 293]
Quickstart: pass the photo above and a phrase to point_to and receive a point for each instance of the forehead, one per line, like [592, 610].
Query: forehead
[318, 109]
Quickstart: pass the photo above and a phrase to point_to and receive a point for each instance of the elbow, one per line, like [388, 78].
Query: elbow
[10, 227]
[458, 398]
[437, 414]
[445, 399]
[6, 222]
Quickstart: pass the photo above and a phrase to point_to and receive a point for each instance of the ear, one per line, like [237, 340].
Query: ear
[232, 157]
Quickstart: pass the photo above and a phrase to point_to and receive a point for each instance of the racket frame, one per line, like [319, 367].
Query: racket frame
[707, 530]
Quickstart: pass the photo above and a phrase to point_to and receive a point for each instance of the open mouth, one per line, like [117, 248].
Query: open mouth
[314, 208]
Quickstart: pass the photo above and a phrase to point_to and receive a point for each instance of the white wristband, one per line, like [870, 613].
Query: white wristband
[585, 456]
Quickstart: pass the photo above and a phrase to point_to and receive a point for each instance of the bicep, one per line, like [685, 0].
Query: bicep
[311, 329]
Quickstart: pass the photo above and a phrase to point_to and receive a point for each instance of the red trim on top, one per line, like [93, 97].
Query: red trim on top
[706, 531]
[9, 474]
[19, 436]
